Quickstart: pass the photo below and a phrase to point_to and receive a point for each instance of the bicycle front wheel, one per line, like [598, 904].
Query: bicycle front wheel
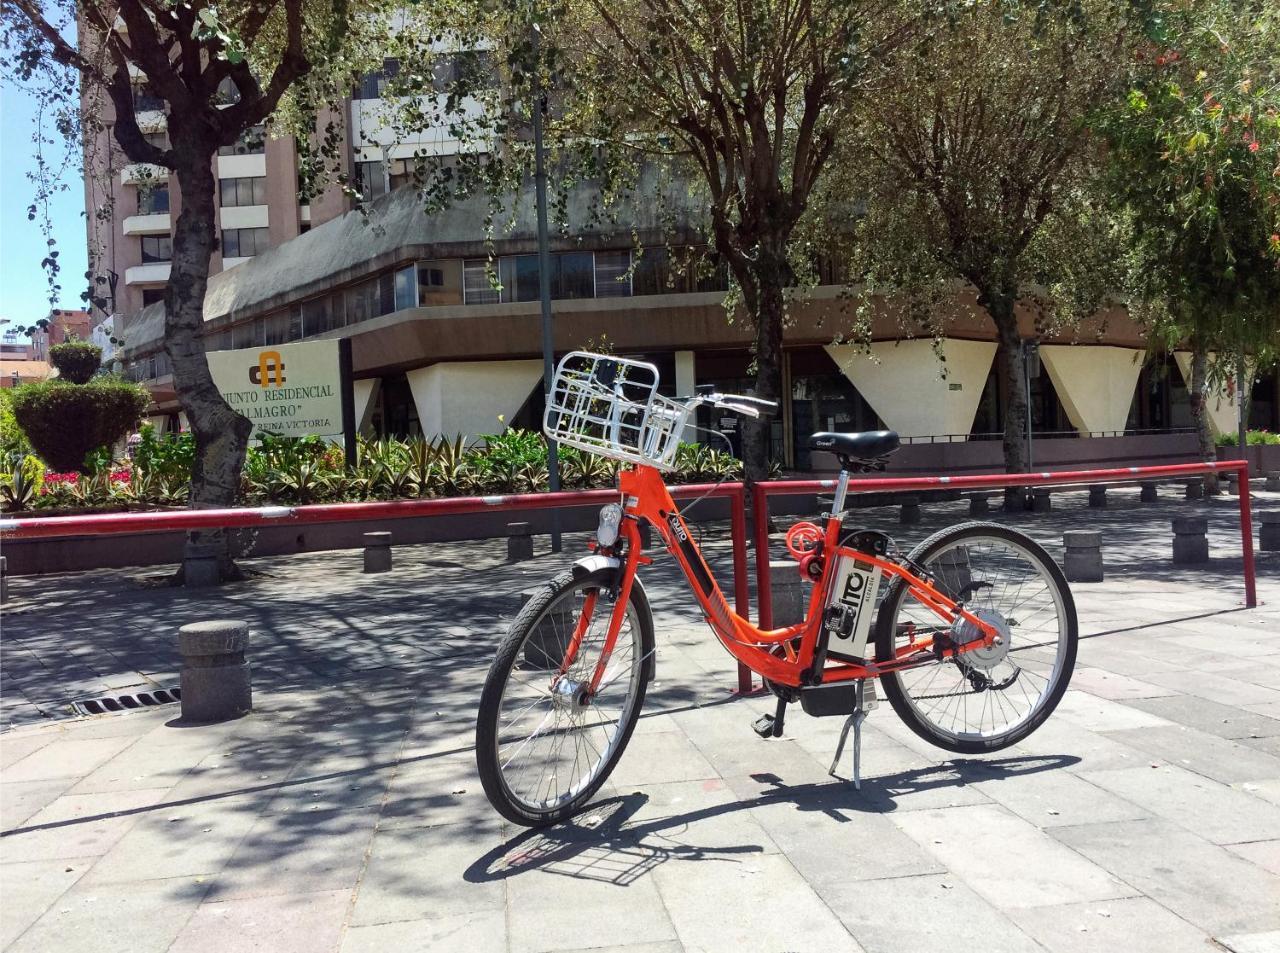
[545, 743]
[988, 698]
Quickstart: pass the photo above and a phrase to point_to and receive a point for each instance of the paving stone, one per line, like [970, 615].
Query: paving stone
[434, 790]
[1217, 687]
[29, 889]
[420, 872]
[1200, 882]
[687, 820]
[19, 800]
[1057, 797]
[14, 748]
[1225, 721]
[1264, 853]
[929, 914]
[292, 923]
[1215, 811]
[761, 888]
[1094, 713]
[1113, 686]
[307, 852]
[114, 917]
[1268, 942]
[78, 825]
[658, 759]
[473, 932]
[1209, 755]
[66, 759]
[1134, 925]
[1033, 869]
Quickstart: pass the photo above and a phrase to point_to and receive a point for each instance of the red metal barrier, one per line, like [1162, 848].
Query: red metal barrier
[762, 492]
[103, 524]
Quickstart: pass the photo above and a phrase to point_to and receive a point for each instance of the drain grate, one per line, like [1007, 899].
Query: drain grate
[139, 700]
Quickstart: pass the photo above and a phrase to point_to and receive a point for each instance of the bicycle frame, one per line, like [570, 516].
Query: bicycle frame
[645, 495]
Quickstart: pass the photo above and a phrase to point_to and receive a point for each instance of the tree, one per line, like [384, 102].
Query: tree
[1194, 153]
[187, 54]
[974, 166]
[746, 100]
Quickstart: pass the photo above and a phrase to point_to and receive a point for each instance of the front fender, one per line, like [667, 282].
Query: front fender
[590, 565]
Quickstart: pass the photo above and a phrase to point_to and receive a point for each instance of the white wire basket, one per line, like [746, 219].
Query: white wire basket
[611, 406]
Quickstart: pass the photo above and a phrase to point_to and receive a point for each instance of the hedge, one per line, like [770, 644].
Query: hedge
[64, 422]
[76, 361]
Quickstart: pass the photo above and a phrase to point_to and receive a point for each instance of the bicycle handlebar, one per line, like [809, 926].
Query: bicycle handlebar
[738, 403]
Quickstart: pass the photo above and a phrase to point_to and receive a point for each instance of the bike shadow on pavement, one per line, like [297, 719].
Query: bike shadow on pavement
[605, 843]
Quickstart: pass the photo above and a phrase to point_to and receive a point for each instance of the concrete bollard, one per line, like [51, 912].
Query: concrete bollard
[1233, 483]
[1269, 532]
[1083, 559]
[1273, 482]
[979, 504]
[1098, 496]
[1150, 493]
[200, 565]
[790, 598]
[377, 552]
[4, 580]
[1190, 540]
[215, 675]
[909, 512]
[1041, 501]
[519, 542]
[1195, 490]
[1015, 499]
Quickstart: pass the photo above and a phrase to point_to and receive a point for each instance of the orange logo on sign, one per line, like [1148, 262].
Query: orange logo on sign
[270, 370]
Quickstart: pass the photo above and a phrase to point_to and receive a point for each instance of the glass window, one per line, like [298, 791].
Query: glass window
[574, 275]
[401, 173]
[246, 191]
[384, 294]
[439, 283]
[406, 289]
[153, 200]
[242, 335]
[295, 322]
[358, 303]
[315, 316]
[476, 286]
[228, 93]
[245, 242]
[152, 296]
[145, 99]
[374, 85]
[276, 328]
[371, 180]
[158, 139]
[519, 276]
[612, 278]
[252, 142]
[156, 248]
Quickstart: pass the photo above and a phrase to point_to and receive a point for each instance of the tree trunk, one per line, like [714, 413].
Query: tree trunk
[1198, 397]
[1000, 305]
[221, 434]
[768, 354]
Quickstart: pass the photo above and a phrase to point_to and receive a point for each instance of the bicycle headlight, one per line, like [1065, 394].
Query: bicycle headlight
[610, 520]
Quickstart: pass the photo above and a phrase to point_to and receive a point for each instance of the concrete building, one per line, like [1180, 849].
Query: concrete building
[445, 339]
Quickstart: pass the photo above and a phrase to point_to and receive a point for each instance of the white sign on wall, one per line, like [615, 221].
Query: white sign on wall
[287, 389]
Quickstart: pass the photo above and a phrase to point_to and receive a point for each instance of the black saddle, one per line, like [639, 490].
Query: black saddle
[869, 445]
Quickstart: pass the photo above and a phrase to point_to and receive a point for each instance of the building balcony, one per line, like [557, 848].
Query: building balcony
[242, 167]
[243, 216]
[139, 172]
[157, 224]
[152, 273]
[151, 120]
[229, 263]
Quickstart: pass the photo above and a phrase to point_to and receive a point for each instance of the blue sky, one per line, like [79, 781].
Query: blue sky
[24, 298]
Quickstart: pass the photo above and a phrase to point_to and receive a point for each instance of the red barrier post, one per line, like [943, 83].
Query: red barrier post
[764, 595]
[1246, 537]
[741, 587]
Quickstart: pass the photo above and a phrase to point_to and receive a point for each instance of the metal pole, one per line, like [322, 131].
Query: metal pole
[1242, 411]
[544, 275]
[1026, 375]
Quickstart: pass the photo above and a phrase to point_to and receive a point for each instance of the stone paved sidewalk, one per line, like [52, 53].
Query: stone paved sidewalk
[344, 813]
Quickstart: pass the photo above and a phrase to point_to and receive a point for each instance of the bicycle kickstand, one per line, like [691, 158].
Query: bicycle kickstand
[854, 721]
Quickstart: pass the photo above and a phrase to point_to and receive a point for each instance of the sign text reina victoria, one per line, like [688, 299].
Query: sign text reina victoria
[287, 389]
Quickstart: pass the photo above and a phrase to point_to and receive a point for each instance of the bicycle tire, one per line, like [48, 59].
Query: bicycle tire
[488, 741]
[926, 554]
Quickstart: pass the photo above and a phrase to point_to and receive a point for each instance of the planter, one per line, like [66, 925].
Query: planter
[1262, 458]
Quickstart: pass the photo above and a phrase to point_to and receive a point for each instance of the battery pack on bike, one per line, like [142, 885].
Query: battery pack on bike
[851, 600]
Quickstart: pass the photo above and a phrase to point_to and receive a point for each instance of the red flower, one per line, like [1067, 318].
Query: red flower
[1253, 147]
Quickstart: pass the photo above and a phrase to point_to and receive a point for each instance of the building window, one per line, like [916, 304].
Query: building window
[245, 242]
[276, 328]
[156, 248]
[152, 296]
[613, 279]
[573, 275]
[374, 85]
[228, 93]
[146, 100]
[406, 289]
[158, 139]
[401, 173]
[153, 200]
[246, 191]
[371, 180]
[476, 286]
[252, 142]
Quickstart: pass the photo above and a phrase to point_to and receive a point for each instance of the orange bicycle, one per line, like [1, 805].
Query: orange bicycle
[972, 634]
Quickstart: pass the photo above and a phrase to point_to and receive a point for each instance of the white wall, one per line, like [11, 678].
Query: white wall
[1095, 384]
[467, 397]
[686, 382]
[903, 383]
[366, 398]
[1224, 414]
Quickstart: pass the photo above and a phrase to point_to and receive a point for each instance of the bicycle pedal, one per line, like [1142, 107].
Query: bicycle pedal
[763, 726]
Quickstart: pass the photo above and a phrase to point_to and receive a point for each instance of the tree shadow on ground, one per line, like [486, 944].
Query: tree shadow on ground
[604, 843]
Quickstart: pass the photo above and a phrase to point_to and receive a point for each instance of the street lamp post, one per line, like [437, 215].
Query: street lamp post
[544, 272]
[1030, 369]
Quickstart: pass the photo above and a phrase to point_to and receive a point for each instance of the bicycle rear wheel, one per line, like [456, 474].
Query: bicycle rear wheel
[988, 698]
[544, 744]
